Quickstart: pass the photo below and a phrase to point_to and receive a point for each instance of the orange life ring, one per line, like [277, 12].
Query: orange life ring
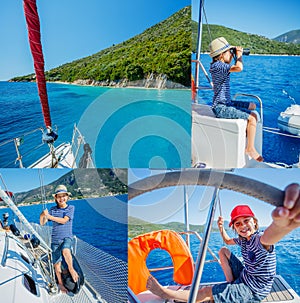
[139, 249]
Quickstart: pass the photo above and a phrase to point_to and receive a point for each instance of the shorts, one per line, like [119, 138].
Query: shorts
[236, 291]
[232, 111]
[57, 249]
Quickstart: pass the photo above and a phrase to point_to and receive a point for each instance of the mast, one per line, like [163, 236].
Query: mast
[197, 61]
[199, 39]
[34, 36]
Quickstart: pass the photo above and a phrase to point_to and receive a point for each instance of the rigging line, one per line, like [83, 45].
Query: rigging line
[43, 198]
[220, 212]
[208, 28]
[42, 188]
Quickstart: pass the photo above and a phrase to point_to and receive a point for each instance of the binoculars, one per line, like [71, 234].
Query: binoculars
[246, 51]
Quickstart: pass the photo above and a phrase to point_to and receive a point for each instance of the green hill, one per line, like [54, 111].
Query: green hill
[164, 49]
[257, 44]
[137, 227]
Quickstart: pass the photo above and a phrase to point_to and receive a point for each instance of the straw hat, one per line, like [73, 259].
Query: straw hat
[241, 211]
[61, 189]
[219, 46]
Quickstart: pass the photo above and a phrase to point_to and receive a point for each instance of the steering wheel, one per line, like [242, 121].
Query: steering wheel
[223, 180]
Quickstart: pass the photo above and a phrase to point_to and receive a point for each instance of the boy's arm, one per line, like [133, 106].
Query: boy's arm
[285, 218]
[45, 216]
[63, 220]
[226, 238]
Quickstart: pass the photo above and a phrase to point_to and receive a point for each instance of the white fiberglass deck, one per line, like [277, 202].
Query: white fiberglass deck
[281, 293]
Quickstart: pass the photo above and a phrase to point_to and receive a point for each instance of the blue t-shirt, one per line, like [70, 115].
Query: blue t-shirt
[221, 79]
[61, 231]
[260, 264]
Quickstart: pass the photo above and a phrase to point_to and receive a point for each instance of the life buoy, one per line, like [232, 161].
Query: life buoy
[139, 249]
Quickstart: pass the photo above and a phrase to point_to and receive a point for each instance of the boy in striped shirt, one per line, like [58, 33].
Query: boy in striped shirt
[252, 281]
[223, 106]
[61, 216]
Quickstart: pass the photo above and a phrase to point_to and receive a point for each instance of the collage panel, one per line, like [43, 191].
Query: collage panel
[63, 235]
[112, 96]
[193, 225]
[245, 113]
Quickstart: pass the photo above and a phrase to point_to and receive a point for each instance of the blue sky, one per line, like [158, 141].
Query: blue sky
[18, 180]
[269, 18]
[165, 205]
[75, 29]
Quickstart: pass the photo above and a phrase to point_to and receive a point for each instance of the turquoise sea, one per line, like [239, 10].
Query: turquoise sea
[124, 127]
[145, 127]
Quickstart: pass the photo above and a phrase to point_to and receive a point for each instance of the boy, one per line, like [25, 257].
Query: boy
[61, 216]
[223, 107]
[253, 282]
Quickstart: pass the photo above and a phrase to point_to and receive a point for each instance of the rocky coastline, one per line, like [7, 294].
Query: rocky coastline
[152, 81]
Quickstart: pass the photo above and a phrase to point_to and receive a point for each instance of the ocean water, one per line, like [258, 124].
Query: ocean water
[124, 127]
[287, 252]
[276, 80]
[92, 224]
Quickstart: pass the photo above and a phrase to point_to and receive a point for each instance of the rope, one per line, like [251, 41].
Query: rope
[208, 28]
[43, 198]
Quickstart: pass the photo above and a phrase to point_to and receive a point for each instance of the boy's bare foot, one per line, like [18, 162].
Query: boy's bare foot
[156, 288]
[73, 274]
[254, 155]
[62, 288]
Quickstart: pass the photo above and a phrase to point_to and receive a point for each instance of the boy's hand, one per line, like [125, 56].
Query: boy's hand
[46, 212]
[220, 222]
[239, 51]
[288, 215]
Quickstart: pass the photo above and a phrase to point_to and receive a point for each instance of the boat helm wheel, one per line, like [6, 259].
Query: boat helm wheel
[222, 180]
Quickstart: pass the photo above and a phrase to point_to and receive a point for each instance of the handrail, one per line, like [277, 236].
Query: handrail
[254, 97]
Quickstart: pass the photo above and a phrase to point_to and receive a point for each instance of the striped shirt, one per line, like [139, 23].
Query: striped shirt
[221, 79]
[61, 231]
[260, 264]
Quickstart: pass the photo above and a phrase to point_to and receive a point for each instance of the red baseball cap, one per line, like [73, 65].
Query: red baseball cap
[241, 211]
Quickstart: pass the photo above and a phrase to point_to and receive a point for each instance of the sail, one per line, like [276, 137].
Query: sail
[33, 26]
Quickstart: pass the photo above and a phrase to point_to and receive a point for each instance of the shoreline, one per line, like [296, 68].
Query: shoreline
[113, 87]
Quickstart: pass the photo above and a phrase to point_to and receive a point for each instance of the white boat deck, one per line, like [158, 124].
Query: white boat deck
[64, 155]
[281, 292]
[17, 264]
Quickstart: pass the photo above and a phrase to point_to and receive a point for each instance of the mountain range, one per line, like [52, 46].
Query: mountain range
[81, 183]
[290, 37]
